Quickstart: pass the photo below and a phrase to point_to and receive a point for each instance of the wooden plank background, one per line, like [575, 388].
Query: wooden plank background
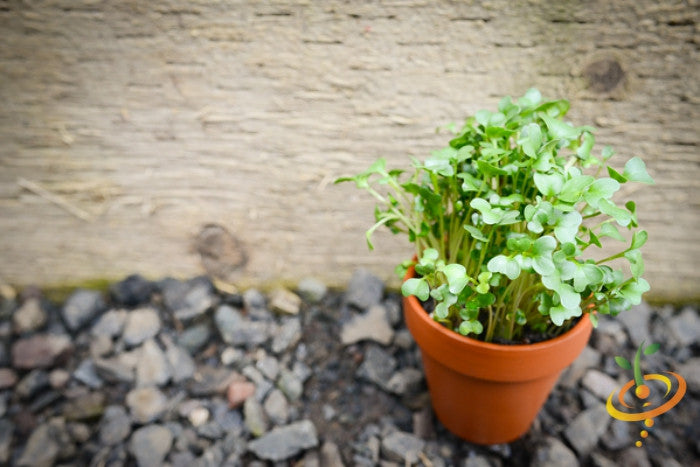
[184, 136]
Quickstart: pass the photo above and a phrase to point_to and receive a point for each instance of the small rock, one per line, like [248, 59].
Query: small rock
[589, 358]
[686, 327]
[209, 381]
[88, 407]
[182, 366]
[198, 416]
[81, 307]
[254, 417]
[110, 324]
[268, 366]
[373, 325]
[475, 460]
[599, 383]
[150, 444]
[195, 337]
[238, 392]
[86, 374]
[132, 291]
[599, 460]
[377, 367]
[587, 428]
[423, 426]
[634, 457]
[330, 455]
[8, 378]
[188, 300]
[636, 321]
[237, 330]
[262, 385]
[7, 429]
[402, 447]
[276, 407]
[311, 290]
[79, 432]
[405, 381]
[287, 335]
[100, 346]
[290, 384]
[58, 378]
[152, 368]
[284, 442]
[141, 324]
[364, 289]
[29, 317]
[690, 371]
[553, 453]
[40, 351]
[231, 356]
[115, 370]
[618, 435]
[285, 302]
[32, 384]
[46, 444]
[115, 426]
[253, 298]
[146, 404]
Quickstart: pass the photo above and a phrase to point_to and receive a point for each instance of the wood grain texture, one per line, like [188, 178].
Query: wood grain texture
[158, 119]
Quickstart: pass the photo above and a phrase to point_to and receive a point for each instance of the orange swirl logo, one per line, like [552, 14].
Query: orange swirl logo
[675, 387]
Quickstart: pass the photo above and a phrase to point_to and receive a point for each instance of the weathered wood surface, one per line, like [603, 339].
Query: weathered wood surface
[134, 135]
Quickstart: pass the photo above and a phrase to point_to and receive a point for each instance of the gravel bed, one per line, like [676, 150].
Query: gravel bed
[179, 373]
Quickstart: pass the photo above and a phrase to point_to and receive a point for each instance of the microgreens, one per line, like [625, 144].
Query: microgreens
[501, 219]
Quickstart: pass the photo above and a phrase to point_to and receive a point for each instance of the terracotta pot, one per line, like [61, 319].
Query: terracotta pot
[489, 393]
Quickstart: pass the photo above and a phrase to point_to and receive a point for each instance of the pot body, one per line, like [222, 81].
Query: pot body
[489, 393]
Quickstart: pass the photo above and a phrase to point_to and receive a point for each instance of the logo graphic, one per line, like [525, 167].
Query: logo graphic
[645, 404]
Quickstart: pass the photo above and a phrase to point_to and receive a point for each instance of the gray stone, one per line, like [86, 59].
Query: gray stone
[587, 428]
[101, 346]
[690, 371]
[618, 435]
[311, 290]
[8, 378]
[268, 366]
[377, 367]
[195, 337]
[40, 351]
[364, 289]
[115, 425]
[146, 404]
[231, 356]
[7, 429]
[87, 407]
[210, 381]
[238, 391]
[600, 384]
[46, 444]
[254, 416]
[285, 302]
[553, 453]
[210, 430]
[636, 321]
[238, 330]
[32, 384]
[188, 300]
[330, 455]
[58, 378]
[276, 407]
[29, 317]
[153, 368]
[402, 447]
[253, 298]
[212, 457]
[475, 460]
[284, 442]
[686, 326]
[150, 444]
[599, 460]
[287, 335]
[86, 374]
[302, 371]
[262, 385]
[290, 384]
[372, 325]
[405, 381]
[119, 369]
[589, 358]
[110, 324]
[182, 366]
[81, 307]
[423, 426]
[634, 457]
[132, 291]
[141, 324]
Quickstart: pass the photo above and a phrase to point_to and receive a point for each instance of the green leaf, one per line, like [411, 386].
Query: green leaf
[639, 239]
[623, 363]
[520, 317]
[520, 243]
[483, 287]
[430, 254]
[489, 214]
[568, 226]
[584, 151]
[636, 262]
[476, 233]
[531, 98]
[636, 171]
[440, 166]
[568, 296]
[632, 292]
[622, 216]
[607, 153]
[559, 314]
[543, 265]
[573, 189]
[559, 129]
[508, 217]
[504, 265]
[549, 185]
[602, 188]
[616, 175]
[609, 230]
[530, 139]
[470, 327]
[417, 287]
[651, 349]
[489, 169]
[456, 275]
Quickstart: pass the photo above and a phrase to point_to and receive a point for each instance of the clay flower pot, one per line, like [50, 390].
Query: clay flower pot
[489, 393]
